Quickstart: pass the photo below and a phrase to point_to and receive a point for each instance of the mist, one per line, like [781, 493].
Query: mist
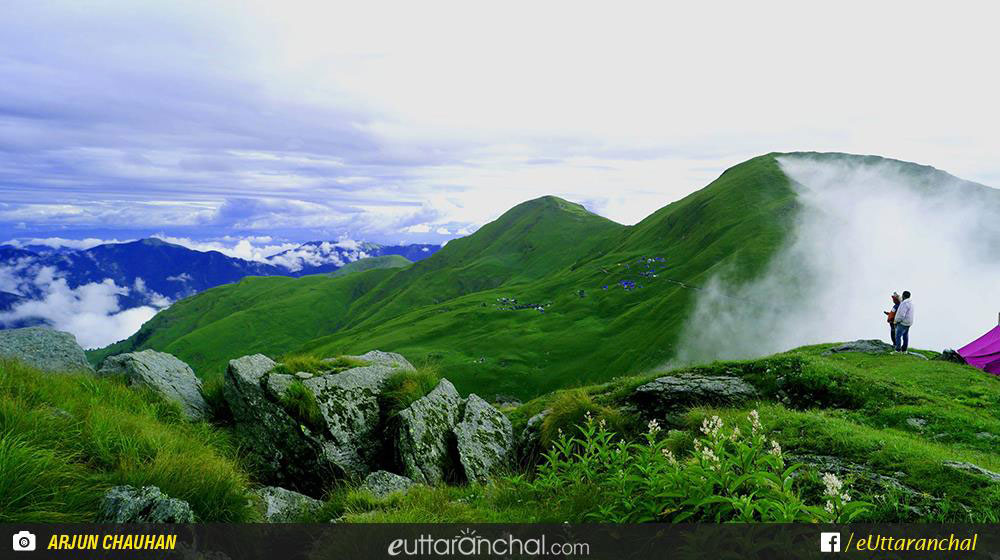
[864, 229]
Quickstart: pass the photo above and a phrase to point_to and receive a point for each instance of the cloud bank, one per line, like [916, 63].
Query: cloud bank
[863, 231]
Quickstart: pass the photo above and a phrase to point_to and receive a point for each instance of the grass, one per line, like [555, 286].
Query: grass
[405, 387]
[315, 365]
[301, 404]
[65, 439]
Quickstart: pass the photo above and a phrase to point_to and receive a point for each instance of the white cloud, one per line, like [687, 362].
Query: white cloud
[61, 242]
[90, 312]
[253, 248]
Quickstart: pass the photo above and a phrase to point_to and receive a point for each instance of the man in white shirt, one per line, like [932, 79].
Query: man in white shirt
[904, 320]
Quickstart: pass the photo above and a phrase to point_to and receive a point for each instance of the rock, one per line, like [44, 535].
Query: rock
[867, 346]
[45, 349]
[349, 404]
[425, 435]
[278, 383]
[163, 373]
[391, 359]
[384, 483]
[987, 436]
[974, 469]
[128, 504]
[676, 392]
[304, 375]
[484, 439]
[950, 355]
[285, 453]
[278, 505]
[916, 423]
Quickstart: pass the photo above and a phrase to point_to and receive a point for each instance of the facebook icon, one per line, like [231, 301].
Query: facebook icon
[829, 542]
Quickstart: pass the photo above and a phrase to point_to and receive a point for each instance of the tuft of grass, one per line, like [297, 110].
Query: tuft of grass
[315, 365]
[405, 387]
[569, 409]
[301, 403]
[65, 439]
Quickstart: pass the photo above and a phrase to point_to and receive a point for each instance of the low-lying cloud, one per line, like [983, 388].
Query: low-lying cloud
[91, 312]
[864, 230]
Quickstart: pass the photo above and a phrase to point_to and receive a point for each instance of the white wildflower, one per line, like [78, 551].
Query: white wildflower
[669, 456]
[832, 483]
[775, 448]
[711, 427]
[829, 507]
[653, 426]
[754, 418]
[737, 433]
[601, 423]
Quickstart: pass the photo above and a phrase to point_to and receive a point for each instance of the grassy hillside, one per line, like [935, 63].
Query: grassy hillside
[66, 439]
[450, 309]
[887, 425]
[369, 263]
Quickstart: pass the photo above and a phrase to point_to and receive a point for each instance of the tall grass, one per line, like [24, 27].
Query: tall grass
[65, 439]
[405, 387]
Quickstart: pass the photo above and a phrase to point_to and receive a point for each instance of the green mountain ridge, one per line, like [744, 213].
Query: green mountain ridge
[453, 309]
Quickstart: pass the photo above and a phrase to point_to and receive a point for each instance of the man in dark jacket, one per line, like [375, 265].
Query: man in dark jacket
[892, 318]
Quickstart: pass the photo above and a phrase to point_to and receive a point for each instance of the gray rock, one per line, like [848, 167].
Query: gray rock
[304, 375]
[384, 483]
[425, 434]
[285, 453]
[349, 404]
[278, 383]
[676, 392]
[278, 505]
[128, 504]
[45, 349]
[951, 356]
[391, 359]
[484, 438]
[163, 373]
[867, 346]
[987, 436]
[916, 423]
[974, 469]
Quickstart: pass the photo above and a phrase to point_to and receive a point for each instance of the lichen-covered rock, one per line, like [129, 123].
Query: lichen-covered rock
[391, 359]
[165, 374]
[45, 349]
[384, 483]
[530, 441]
[286, 453]
[425, 435]
[676, 392]
[349, 404]
[873, 346]
[278, 505]
[974, 469]
[484, 438]
[128, 504]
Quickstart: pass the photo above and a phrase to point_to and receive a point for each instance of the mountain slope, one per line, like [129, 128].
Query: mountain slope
[361, 265]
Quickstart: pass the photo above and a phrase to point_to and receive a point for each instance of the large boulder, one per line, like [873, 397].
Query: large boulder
[949, 355]
[426, 435]
[128, 504]
[163, 373]
[349, 404]
[278, 505]
[286, 452]
[672, 393]
[484, 438]
[384, 483]
[872, 346]
[45, 349]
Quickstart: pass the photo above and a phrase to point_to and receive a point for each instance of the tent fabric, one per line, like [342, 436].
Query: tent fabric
[984, 352]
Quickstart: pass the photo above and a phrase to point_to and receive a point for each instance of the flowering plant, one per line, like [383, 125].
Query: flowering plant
[731, 476]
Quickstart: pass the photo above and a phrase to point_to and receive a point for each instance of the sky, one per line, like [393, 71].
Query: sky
[253, 125]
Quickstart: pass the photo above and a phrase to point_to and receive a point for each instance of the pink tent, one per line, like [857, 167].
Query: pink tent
[984, 352]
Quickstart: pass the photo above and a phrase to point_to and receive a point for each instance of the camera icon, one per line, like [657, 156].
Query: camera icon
[24, 542]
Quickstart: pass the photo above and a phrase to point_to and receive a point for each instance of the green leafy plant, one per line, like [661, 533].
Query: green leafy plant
[732, 475]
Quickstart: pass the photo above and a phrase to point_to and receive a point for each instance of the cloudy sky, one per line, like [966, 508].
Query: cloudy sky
[220, 122]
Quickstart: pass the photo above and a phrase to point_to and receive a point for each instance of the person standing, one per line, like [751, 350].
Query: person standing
[891, 317]
[904, 320]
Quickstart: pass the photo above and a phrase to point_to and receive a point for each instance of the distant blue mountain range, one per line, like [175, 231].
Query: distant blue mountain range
[152, 271]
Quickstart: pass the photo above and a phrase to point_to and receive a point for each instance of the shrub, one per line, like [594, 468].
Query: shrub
[732, 476]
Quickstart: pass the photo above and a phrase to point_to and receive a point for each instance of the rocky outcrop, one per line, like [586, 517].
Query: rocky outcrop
[45, 349]
[673, 393]
[866, 346]
[163, 373]
[278, 505]
[426, 435]
[973, 469]
[284, 451]
[384, 483]
[951, 356]
[389, 359]
[484, 439]
[128, 504]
